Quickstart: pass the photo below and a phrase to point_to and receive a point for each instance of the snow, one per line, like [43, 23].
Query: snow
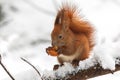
[21, 67]
[107, 53]
[60, 73]
[25, 32]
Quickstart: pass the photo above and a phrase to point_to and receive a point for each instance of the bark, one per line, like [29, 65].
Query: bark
[95, 71]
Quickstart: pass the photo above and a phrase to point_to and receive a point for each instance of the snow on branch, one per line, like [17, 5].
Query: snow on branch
[67, 72]
[94, 71]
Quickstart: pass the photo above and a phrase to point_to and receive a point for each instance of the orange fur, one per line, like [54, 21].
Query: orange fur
[72, 35]
[77, 25]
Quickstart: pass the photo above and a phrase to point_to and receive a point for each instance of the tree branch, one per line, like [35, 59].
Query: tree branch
[94, 71]
[32, 66]
[5, 68]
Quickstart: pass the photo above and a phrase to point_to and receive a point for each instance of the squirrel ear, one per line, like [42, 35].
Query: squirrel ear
[65, 21]
[58, 20]
[65, 25]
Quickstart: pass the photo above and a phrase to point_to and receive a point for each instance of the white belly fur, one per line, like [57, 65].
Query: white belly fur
[66, 58]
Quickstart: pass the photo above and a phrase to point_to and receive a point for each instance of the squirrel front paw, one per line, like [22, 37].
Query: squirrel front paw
[52, 51]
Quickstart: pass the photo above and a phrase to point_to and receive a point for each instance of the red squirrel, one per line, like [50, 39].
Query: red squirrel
[72, 37]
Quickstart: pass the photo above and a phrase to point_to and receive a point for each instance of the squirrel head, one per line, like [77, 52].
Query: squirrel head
[61, 34]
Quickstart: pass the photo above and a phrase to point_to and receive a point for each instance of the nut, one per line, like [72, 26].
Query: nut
[52, 51]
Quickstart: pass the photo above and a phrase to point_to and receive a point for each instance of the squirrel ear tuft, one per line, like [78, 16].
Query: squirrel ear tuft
[58, 20]
[63, 19]
[65, 25]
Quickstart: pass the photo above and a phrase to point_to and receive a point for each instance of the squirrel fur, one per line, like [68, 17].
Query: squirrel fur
[72, 35]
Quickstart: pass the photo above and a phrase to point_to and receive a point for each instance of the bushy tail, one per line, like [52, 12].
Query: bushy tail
[83, 27]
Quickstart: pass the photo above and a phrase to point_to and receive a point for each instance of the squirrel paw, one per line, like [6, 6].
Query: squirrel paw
[75, 63]
[56, 67]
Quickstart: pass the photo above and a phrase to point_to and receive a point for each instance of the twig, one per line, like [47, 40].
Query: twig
[32, 66]
[0, 58]
[6, 69]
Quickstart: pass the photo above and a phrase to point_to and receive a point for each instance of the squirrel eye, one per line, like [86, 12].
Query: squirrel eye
[60, 36]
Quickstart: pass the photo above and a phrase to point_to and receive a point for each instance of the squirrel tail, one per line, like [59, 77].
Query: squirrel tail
[83, 27]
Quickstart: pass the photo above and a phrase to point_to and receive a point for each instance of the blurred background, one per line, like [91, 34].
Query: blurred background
[25, 26]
